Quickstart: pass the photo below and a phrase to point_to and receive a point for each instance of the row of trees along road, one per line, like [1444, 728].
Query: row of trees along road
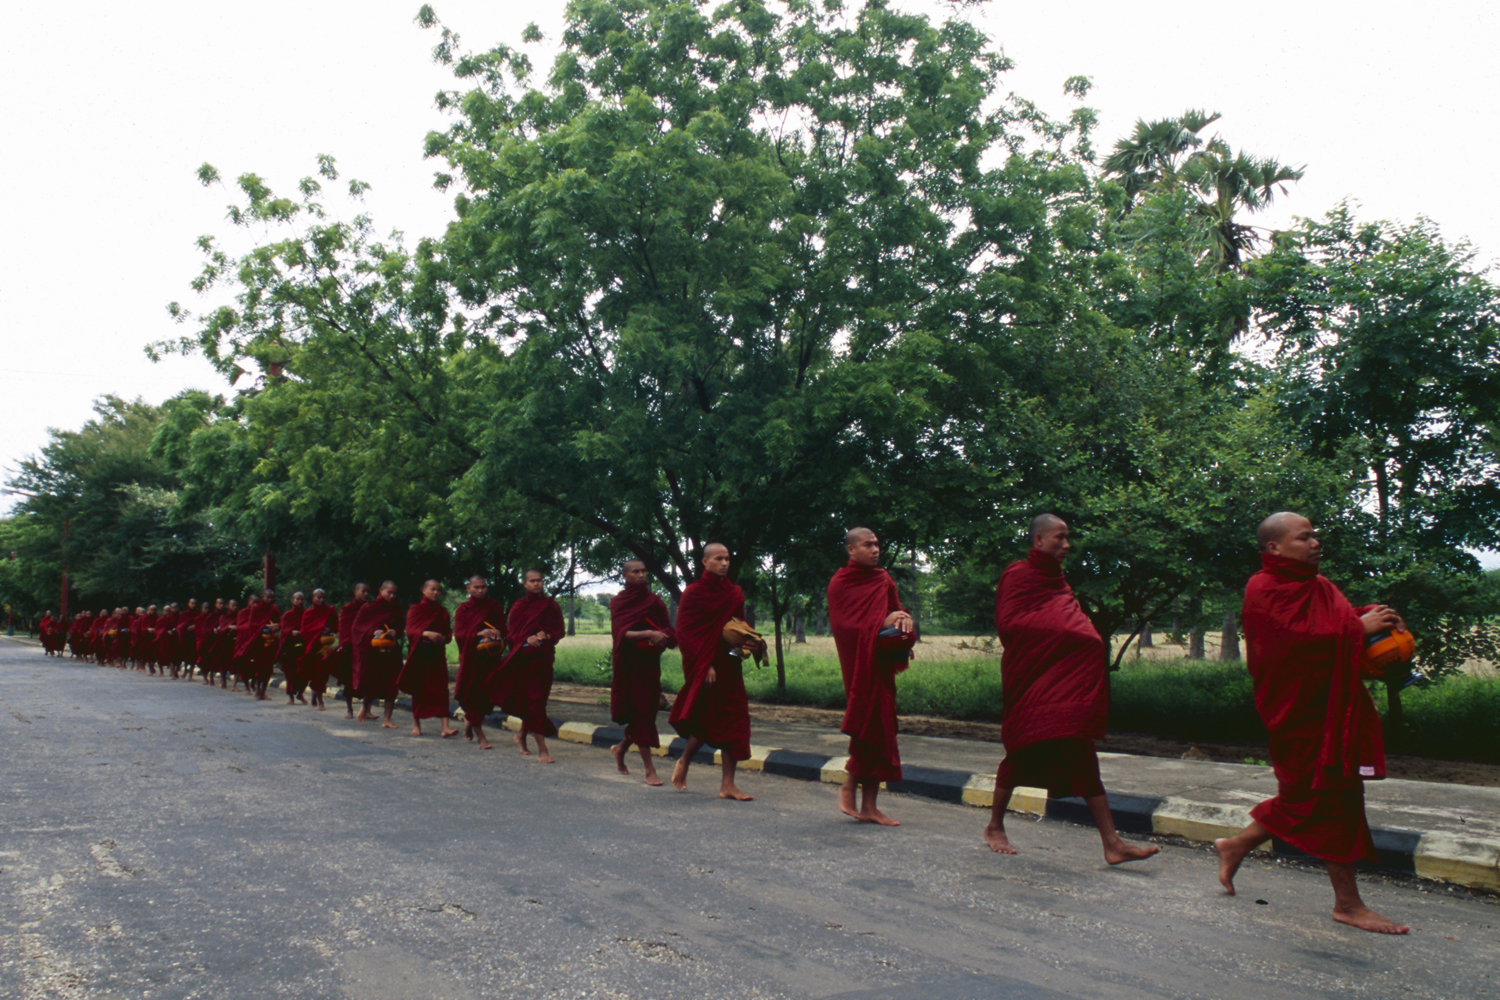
[759, 272]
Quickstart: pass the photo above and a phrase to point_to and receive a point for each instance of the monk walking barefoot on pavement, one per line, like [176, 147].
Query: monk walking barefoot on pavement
[862, 602]
[478, 621]
[642, 632]
[1052, 676]
[425, 674]
[1304, 645]
[524, 681]
[712, 706]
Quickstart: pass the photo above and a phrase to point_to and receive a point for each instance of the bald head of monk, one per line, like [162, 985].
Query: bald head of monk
[1049, 533]
[361, 591]
[863, 547]
[716, 558]
[299, 600]
[634, 571]
[1291, 536]
[478, 586]
[534, 580]
[320, 597]
[432, 590]
[388, 590]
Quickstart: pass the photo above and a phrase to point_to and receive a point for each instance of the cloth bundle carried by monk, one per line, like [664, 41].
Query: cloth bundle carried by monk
[744, 642]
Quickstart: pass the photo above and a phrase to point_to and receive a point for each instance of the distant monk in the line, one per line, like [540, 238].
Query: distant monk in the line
[712, 706]
[524, 680]
[642, 631]
[187, 639]
[319, 620]
[290, 649]
[47, 630]
[341, 666]
[165, 640]
[480, 619]
[211, 632]
[1304, 645]
[424, 675]
[78, 634]
[1052, 677]
[375, 669]
[862, 602]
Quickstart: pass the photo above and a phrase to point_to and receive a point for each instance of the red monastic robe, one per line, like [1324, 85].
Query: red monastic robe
[121, 647]
[209, 638]
[859, 600]
[341, 666]
[424, 675]
[718, 713]
[1053, 679]
[1304, 645]
[165, 639]
[289, 648]
[476, 670]
[187, 638]
[635, 689]
[78, 636]
[313, 667]
[252, 654]
[523, 683]
[375, 670]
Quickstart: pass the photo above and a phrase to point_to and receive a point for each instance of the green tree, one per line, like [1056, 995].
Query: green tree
[1388, 341]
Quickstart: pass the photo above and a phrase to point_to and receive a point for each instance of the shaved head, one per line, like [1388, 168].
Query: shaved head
[711, 546]
[1277, 526]
[853, 535]
[1043, 523]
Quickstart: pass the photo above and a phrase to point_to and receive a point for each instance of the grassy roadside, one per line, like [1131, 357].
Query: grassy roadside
[1208, 701]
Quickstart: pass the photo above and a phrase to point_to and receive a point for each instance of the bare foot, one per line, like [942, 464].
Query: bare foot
[998, 841]
[1367, 919]
[1230, 857]
[521, 742]
[653, 779]
[1122, 851]
[546, 758]
[483, 744]
[388, 724]
[364, 716]
[846, 801]
[322, 708]
[448, 732]
[734, 794]
[679, 774]
[618, 752]
[302, 699]
[469, 731]
[415, 730]
[871, 815]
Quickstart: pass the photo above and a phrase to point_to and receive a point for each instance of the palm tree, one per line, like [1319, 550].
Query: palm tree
[1171, 153]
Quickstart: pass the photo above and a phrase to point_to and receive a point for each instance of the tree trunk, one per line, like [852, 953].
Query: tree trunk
[672, 610]
[1144, 640]
[1395, 716]
[572, 614]
[916, 597]
[750, 614]
[1229, 639]
[822, 621]
[1195, 615]
[799, 631]
[780, 662]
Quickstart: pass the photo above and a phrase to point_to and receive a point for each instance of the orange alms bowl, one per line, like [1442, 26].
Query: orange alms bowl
[384, 640]
[1385, 650]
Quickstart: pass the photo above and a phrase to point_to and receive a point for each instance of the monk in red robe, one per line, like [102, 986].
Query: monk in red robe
[319, 622]
[103, 635]
[78, 634]
[478, 620]
[424, 675]
[862, 601]
[135, 646]
[1052, 676]
[164, 636]
[642, 631]
[375, 670]
[524, 680]
[290, 648]
[1304, 645]
[260, 661]
[47, 632]
[208, 628]
[712, 706]
[341, 665]
[187, 639]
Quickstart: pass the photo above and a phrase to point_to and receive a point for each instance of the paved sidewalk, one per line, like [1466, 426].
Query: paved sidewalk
[1438, 831]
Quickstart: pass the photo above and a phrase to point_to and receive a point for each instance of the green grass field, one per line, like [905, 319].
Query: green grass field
[1208, 701]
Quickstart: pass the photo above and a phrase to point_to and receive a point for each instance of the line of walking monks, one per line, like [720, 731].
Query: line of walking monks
[1304, 639]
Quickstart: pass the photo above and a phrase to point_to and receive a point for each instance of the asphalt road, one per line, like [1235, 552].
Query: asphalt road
[163, 839]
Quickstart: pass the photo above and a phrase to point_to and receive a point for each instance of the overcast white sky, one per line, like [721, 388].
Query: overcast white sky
[109, 109]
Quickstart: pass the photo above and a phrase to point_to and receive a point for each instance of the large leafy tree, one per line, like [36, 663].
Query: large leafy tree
[1389, 343]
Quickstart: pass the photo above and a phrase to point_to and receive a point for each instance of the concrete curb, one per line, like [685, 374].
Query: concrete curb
[1474, 863]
